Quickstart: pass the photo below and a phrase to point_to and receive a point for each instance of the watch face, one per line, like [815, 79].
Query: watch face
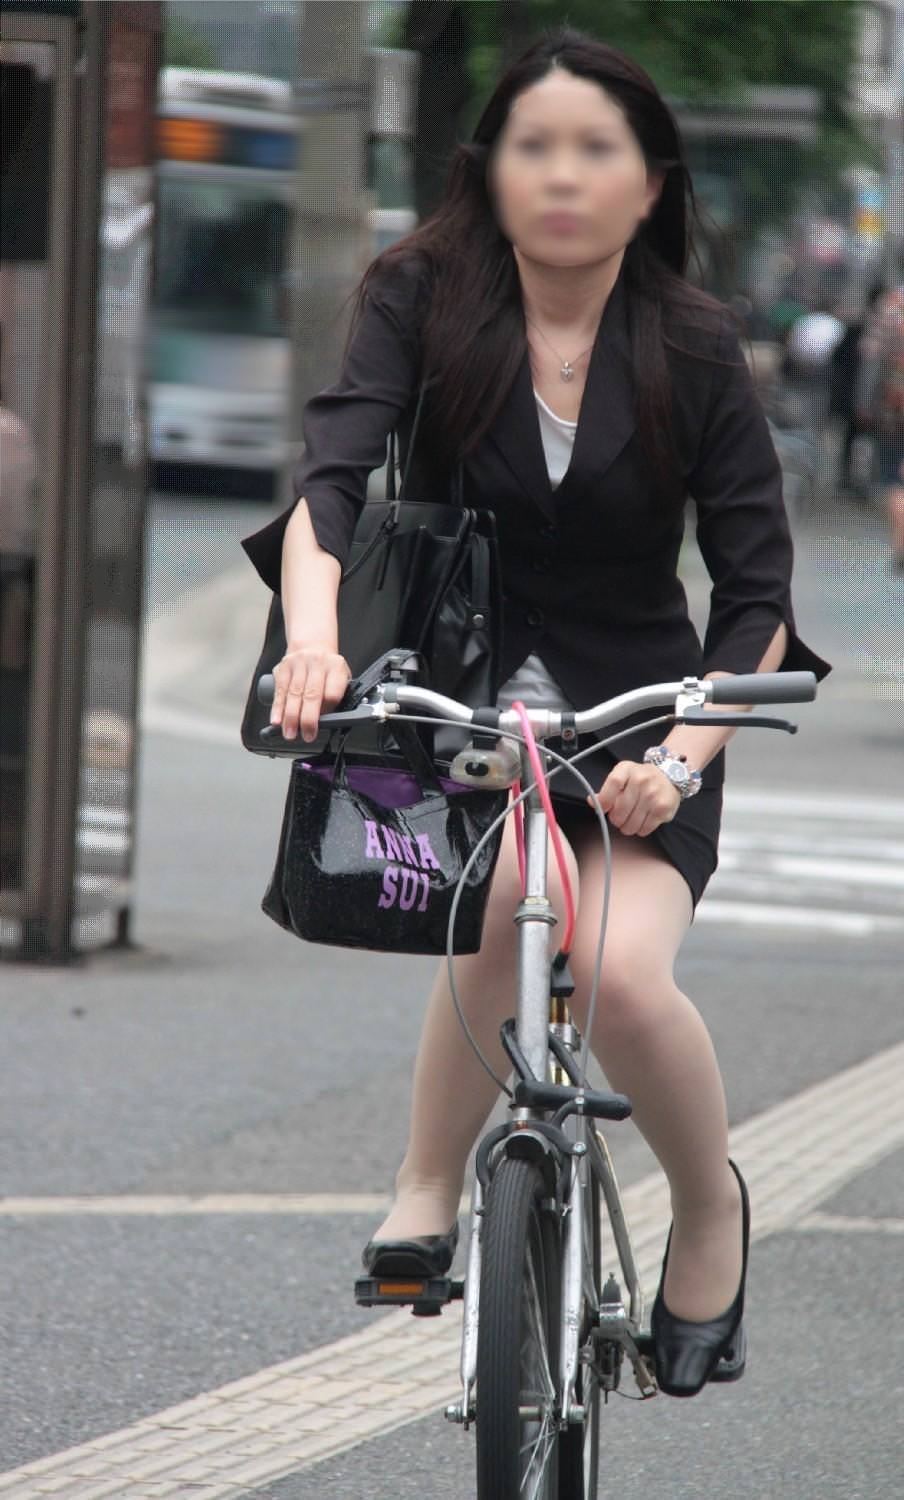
[678, 774]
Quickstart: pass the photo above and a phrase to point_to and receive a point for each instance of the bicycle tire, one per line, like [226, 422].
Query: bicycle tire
[579, 1446]
[518, 1338]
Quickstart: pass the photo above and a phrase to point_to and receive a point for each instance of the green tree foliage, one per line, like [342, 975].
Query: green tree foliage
[701, 52]
[184, 48]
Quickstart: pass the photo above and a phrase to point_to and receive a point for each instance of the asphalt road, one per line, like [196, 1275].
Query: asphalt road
[220, 1056]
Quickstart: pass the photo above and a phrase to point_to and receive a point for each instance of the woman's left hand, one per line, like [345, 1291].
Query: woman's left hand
[638, 797]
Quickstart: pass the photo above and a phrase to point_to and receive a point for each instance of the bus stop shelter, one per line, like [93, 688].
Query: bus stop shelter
[78, 85]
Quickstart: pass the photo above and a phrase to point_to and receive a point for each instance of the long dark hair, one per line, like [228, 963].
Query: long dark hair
[474, 334]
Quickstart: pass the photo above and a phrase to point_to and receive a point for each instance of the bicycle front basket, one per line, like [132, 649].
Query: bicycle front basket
[370, 856]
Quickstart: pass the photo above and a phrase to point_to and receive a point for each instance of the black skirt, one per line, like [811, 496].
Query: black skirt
[690, 841]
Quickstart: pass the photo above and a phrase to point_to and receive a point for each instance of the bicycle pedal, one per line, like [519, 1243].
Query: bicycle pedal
[426, 1296]
[644, 1366]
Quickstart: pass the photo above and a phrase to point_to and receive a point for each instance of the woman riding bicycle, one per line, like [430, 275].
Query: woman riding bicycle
[591, 388]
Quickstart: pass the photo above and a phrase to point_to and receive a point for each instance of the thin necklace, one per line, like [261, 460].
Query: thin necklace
[567, 370]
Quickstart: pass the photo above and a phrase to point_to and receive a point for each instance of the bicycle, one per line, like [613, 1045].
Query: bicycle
[543, 1336]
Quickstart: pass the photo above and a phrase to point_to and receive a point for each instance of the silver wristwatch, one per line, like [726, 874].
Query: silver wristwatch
[675, 767]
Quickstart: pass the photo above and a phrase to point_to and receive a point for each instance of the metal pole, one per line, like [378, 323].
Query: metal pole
[57, 692]
[330, 241]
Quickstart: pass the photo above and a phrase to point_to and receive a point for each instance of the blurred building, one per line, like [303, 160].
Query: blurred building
[878, 88]
[241, 36]
[254, 36]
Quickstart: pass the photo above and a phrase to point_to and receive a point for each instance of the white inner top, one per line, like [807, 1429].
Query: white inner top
[532, 682]
[558, 440]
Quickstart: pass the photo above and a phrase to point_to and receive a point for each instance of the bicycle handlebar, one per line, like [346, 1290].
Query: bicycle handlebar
[757, 687]
[764, 687]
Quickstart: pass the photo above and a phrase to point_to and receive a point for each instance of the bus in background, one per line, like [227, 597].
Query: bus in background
[219, 352]
[219, 368]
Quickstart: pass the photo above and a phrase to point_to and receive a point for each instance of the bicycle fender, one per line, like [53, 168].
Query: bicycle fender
[534, 1146]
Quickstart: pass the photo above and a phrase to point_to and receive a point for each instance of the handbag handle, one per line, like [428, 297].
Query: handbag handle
[421, 766]
[390, 462]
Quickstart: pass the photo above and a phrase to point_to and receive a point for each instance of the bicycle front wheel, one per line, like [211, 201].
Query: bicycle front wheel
[517, 1339]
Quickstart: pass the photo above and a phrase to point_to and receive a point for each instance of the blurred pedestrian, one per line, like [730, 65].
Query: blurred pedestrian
[879, 401]
[809, 347]
[784, 312]
[843, 373]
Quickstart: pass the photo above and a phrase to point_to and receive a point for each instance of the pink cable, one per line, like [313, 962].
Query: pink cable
[540, 779]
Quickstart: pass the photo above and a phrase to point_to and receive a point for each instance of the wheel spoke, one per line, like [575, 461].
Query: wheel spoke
[538, 1389]
[535, 1472]
[534, 1333]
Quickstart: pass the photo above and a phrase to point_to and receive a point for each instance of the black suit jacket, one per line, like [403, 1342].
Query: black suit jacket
[590, 568]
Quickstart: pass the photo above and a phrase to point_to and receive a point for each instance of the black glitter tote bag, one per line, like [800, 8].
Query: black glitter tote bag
[370, 856]
[421, 574]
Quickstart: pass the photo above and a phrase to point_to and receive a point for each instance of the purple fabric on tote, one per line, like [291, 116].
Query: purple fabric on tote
[387, 787]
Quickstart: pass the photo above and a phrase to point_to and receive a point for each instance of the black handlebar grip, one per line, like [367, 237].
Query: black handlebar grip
[765, 687]
[266, 688]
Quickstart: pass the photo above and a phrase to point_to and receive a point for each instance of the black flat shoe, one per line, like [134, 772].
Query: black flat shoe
[687, 1352]
[424, 1255]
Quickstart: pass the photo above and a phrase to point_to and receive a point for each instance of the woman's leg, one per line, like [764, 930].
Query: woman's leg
[452, 1095]
[653, 1045]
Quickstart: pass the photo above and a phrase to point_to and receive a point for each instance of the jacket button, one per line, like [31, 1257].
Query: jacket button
[549, 531]
[534, 617]
[541, 564]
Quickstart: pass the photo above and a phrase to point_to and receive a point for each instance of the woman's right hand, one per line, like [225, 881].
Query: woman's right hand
[310, 680]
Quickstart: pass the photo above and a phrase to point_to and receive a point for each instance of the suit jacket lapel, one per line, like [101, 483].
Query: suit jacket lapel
[605, 420]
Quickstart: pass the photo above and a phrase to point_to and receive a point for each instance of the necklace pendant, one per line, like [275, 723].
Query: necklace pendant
[566, 372]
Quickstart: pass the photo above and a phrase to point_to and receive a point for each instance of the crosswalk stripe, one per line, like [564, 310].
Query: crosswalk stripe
[789, 859]
[849, 808]
[761, 914]
[835, 872]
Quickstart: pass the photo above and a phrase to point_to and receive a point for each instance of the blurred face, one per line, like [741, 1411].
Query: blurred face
[567, 150]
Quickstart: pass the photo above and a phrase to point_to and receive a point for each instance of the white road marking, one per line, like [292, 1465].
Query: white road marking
[841, 1224]
[762, 802]
[761, 914]
[830, 843]
[303, 1204]
[825, 869]
[788, 859]
[293, 1415]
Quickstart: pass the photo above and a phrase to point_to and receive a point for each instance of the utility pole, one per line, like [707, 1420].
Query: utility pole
[331, 243]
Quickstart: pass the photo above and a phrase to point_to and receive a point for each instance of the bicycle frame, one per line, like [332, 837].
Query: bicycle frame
[539, 1019]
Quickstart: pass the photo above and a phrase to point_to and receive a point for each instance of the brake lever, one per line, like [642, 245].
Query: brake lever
[763, 721]
[364, 711]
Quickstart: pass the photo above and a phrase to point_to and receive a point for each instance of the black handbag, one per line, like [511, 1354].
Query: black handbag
[422, 575]
[370, 855]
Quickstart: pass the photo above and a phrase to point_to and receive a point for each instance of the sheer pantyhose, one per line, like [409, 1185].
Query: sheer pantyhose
[648, 1037]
